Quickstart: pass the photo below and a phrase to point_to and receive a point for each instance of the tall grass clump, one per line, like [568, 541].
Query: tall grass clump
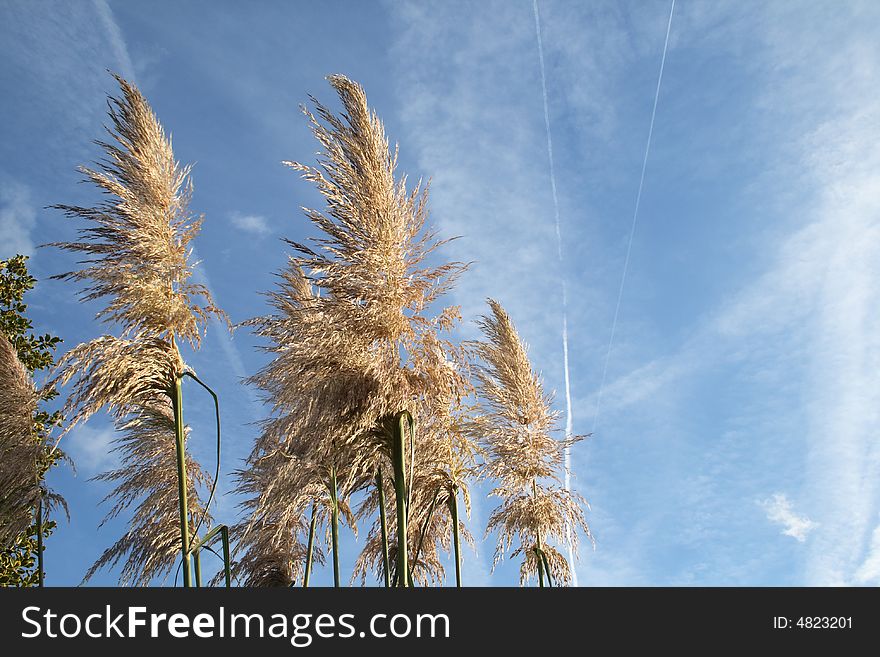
[439, 475]
[24, 455]
[356, 352]
[28, 448]
[19, 452]
[136, 250]
[515, 422]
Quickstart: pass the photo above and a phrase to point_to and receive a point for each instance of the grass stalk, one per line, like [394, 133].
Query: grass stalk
[180, 442]
[422, 534]
[543, 556]
[40, 574]
[538, 546]
[217, 469]
[197, 566]
[310, 550]
[398, 457]
[456, 540]
[223, 530]
[383, 524]
[540, 564]
[204, 544]
[227, 575]
[334, 525]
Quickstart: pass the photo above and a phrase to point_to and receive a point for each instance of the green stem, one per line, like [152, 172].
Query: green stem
[422, 534]
[334, 525]
[204, 543]
[398, 457]
[540, 564]
[456, 543]
[383, 523]
[310, 550]
[538, 547]
[224, 534]
[224, 531]
[40, 574]
[180, 443]
[217, 470]
[197, 566]
[543, 556]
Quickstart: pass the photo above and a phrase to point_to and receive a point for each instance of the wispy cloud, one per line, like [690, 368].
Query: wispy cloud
[767, 383]
[807, 321]
[91, 449]
[55, 59]
[17, 219]
[795, 339]
[477, 124]
[251, 223]
[117, 41]
[869, 572]
[483, 143]
[781, 512]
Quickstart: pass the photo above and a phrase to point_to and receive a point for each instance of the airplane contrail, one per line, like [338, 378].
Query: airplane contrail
[566, 370]
[568, 419]
[632, 230]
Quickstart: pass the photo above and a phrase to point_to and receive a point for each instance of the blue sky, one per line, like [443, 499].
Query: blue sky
[737, 438]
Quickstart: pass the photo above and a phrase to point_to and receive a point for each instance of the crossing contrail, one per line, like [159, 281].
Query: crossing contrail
[566, 370]
[565, 367]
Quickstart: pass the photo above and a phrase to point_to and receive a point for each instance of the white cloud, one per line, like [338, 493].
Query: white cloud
[117, 41]
[808, 320]
[483, 143]
[17, 219]
[780, 511]
[869, 571]
[57, 55]
[90, 449]
[251, 223]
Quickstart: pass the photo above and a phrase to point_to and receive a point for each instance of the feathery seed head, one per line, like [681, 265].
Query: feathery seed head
[138, 241]
[137, 247]
[515, 423]
[350, 336]
[147, 479]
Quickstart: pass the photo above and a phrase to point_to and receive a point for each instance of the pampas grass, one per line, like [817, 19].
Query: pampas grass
[516, 423]
[147, 480]
[352, 342]
[137, 246]
[20, 448]
[367, 397]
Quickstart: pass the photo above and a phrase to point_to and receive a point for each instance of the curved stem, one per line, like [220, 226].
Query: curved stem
[383, 524]
[423, 532]
[180, 444]
[217, 470]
